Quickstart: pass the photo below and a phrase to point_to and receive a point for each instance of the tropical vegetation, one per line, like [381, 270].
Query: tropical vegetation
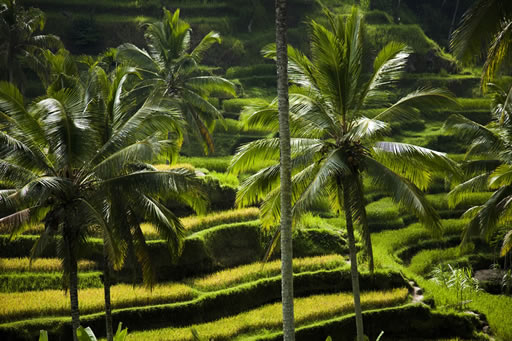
[332, 138]
[385, 126]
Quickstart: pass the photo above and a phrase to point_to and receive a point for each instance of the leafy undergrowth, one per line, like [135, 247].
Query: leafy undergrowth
[56, 302]
[269, 317]
[254, 271]
[497, 308]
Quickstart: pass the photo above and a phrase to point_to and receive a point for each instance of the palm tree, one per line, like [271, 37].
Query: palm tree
[333, 143]
[492, 170]
[168, 65]
[55, 163]
[286, 172]
[19, 44]
[124, 217]
[485, 31]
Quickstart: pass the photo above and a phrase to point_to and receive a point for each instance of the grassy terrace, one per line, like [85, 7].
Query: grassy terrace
[269, 317]
[497, 308]
[56, 303]
[39, 265]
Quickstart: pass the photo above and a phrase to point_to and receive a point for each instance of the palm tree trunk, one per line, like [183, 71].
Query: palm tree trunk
[286, 183]
[353, 258]
[73, 292]
[106, 290]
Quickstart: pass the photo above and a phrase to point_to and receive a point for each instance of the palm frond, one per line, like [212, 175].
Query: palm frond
[507, 244]
[365, 128]
[142, 151]
[132, 55]
[502, 176]
[387, 69]
[11, 102]
[17, 176]
[204, 45]
[479, 23]
[405, 193]
[176, 180]
[470, 130]
[169, 226]
[15, 223]
[209, 84]
[418, 164]
[268, 149]
[462, 191]
[314, 185]
[405, 108]
[498, 50]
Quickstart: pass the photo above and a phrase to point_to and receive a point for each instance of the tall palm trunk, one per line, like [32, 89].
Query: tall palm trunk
[73, 291]
[286, 182]
[353, 256]
[106, 290]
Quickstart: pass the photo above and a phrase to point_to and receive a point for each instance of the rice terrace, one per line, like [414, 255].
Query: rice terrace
[331, 170]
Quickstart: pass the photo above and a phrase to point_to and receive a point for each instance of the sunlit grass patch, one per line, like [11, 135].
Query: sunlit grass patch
[254, 271]
[40, 265]
[497, 308]
[197, 223]
[56, 302]
[269, 317]
[423, 262]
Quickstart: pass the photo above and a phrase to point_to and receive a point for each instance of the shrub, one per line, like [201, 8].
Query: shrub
[318, 241]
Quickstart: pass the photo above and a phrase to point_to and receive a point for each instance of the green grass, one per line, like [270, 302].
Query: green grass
[424, 261]
[255, 271]
[474, 103]
[440, 200]
[40, 265]
[269, 317]
[198, 223]
[217, 164]
[36, 281]
[56, 302]
[497, 308]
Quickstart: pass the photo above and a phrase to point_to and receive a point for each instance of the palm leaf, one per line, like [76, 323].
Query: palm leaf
[404, 108]
[418, 164]
[404, 193]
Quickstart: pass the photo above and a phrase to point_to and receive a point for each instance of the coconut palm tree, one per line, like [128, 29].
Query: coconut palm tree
[286, 172]
[124, 217]
[170, 66]
[485, 32]
[58, 169]
[20, 46]
[334, 144]
[491, 170]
